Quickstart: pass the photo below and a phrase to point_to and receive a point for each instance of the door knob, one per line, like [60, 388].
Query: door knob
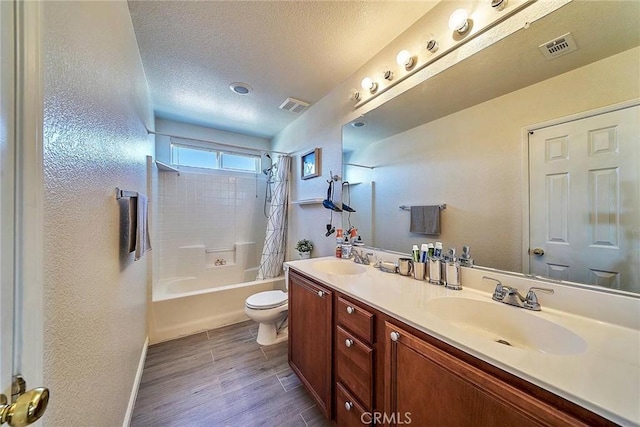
[348, 342]
[348, 406]
[320, 294]
[350, 310]
[27, 409]
[395, 336]
[537, 251]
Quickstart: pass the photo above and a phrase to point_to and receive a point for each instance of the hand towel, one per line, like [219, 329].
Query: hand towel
[425, 219]
[143, 241]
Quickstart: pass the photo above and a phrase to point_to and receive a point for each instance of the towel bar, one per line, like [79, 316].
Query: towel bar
[123, 193]
[408, 208]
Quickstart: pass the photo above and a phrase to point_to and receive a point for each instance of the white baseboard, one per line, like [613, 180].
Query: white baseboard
[136, 385]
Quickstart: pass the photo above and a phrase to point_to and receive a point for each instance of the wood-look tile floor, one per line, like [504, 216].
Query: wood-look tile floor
[222, 377]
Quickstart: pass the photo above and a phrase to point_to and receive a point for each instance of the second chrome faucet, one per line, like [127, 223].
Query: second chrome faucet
[511, 296]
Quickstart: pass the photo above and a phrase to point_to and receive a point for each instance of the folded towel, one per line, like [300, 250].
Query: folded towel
[425, 219]
[143, 241]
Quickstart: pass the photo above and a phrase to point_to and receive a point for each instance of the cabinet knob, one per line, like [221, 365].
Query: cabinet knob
[395, 336]
[320, 294]
[348, 406]
[348, 343]
[350, 309]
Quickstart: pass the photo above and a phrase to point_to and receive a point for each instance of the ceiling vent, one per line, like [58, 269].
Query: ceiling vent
[558, 47]
[294, 105]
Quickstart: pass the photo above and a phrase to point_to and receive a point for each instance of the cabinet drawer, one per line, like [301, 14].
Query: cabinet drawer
[354, 366]
[355, 319]
[349, 412]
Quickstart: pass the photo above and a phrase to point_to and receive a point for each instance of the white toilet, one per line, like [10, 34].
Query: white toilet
[269, 309]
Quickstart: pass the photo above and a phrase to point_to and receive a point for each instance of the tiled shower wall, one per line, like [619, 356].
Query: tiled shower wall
[214, 208]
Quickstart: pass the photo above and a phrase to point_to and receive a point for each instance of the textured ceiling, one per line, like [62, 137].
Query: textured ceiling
[192, 51]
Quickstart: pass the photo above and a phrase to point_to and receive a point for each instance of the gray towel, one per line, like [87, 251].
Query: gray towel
[143, 242]
[425, 219]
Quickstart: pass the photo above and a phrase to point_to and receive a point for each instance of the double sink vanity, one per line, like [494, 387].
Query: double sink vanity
[373, 347]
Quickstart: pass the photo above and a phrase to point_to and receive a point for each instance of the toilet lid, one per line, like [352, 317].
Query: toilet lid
[266, 300]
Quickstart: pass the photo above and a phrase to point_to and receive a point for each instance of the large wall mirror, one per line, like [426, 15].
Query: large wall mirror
[459, 139]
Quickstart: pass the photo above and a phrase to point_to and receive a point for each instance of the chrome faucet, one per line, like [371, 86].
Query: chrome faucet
[359, 258]
[511, 296]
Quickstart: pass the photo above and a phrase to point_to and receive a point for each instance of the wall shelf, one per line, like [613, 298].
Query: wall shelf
[166, 168]
[317, 200]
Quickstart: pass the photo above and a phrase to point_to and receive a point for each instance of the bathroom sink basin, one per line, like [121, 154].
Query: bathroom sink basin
[338, 267]
[507, 325]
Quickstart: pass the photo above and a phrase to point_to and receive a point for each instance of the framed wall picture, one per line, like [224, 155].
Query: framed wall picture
[310, 164]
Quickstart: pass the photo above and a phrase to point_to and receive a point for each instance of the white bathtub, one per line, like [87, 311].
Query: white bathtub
[186, 305]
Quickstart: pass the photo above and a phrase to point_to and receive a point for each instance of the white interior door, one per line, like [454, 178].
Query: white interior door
[21, 314]
[7, 186]
[585, 200]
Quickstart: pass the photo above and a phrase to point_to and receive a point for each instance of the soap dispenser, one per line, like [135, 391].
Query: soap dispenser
[465, 258]
[452, 276]
[346, 248]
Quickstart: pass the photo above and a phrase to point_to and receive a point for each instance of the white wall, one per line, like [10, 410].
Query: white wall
[96, 107]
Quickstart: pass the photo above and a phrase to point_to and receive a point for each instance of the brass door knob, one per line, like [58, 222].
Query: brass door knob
[27, 409]
[537, 251]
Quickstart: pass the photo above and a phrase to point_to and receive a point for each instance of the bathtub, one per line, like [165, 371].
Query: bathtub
[186, 305]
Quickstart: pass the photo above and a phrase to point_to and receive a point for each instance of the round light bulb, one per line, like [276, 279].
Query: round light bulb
[404, 58]
[368, 84]
[458, 21]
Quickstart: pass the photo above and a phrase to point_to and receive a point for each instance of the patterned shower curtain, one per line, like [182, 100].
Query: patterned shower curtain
[275, 238]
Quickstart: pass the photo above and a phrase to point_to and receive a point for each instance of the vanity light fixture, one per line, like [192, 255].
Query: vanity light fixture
[368, 84]
[499, 4]
[405, 59]
[459, 21]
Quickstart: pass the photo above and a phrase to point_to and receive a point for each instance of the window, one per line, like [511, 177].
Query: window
[200, 157]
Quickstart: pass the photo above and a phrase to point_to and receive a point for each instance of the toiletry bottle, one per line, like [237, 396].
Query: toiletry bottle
[415, 252]
[465, 258]
[453, 271]
[339, 241]
[434, 265]
[424, 250]
[346, 248]
[428, 261]
[444, 259]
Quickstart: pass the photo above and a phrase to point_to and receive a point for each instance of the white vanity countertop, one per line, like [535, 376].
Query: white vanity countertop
[604, 378]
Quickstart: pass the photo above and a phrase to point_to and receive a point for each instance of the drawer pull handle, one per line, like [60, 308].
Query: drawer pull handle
[320, 294]
[350, 309]
[348, 406]
[348, 343]
[395, 336]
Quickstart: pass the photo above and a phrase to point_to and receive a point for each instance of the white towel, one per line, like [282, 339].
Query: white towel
[143, 241]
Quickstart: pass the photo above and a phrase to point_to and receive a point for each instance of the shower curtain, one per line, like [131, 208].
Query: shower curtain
[275, 238]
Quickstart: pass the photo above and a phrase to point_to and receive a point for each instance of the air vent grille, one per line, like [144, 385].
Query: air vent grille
[559, 46]
[294, 105]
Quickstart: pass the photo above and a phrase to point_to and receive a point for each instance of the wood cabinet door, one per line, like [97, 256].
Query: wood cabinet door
[427, 386]
[310, 337]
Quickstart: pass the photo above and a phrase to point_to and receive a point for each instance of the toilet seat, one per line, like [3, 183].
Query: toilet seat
[266, 300]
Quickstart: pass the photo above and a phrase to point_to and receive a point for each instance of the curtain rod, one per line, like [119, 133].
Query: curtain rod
[218, 143]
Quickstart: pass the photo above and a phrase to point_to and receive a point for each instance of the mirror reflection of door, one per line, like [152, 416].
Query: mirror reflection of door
[602, 154]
